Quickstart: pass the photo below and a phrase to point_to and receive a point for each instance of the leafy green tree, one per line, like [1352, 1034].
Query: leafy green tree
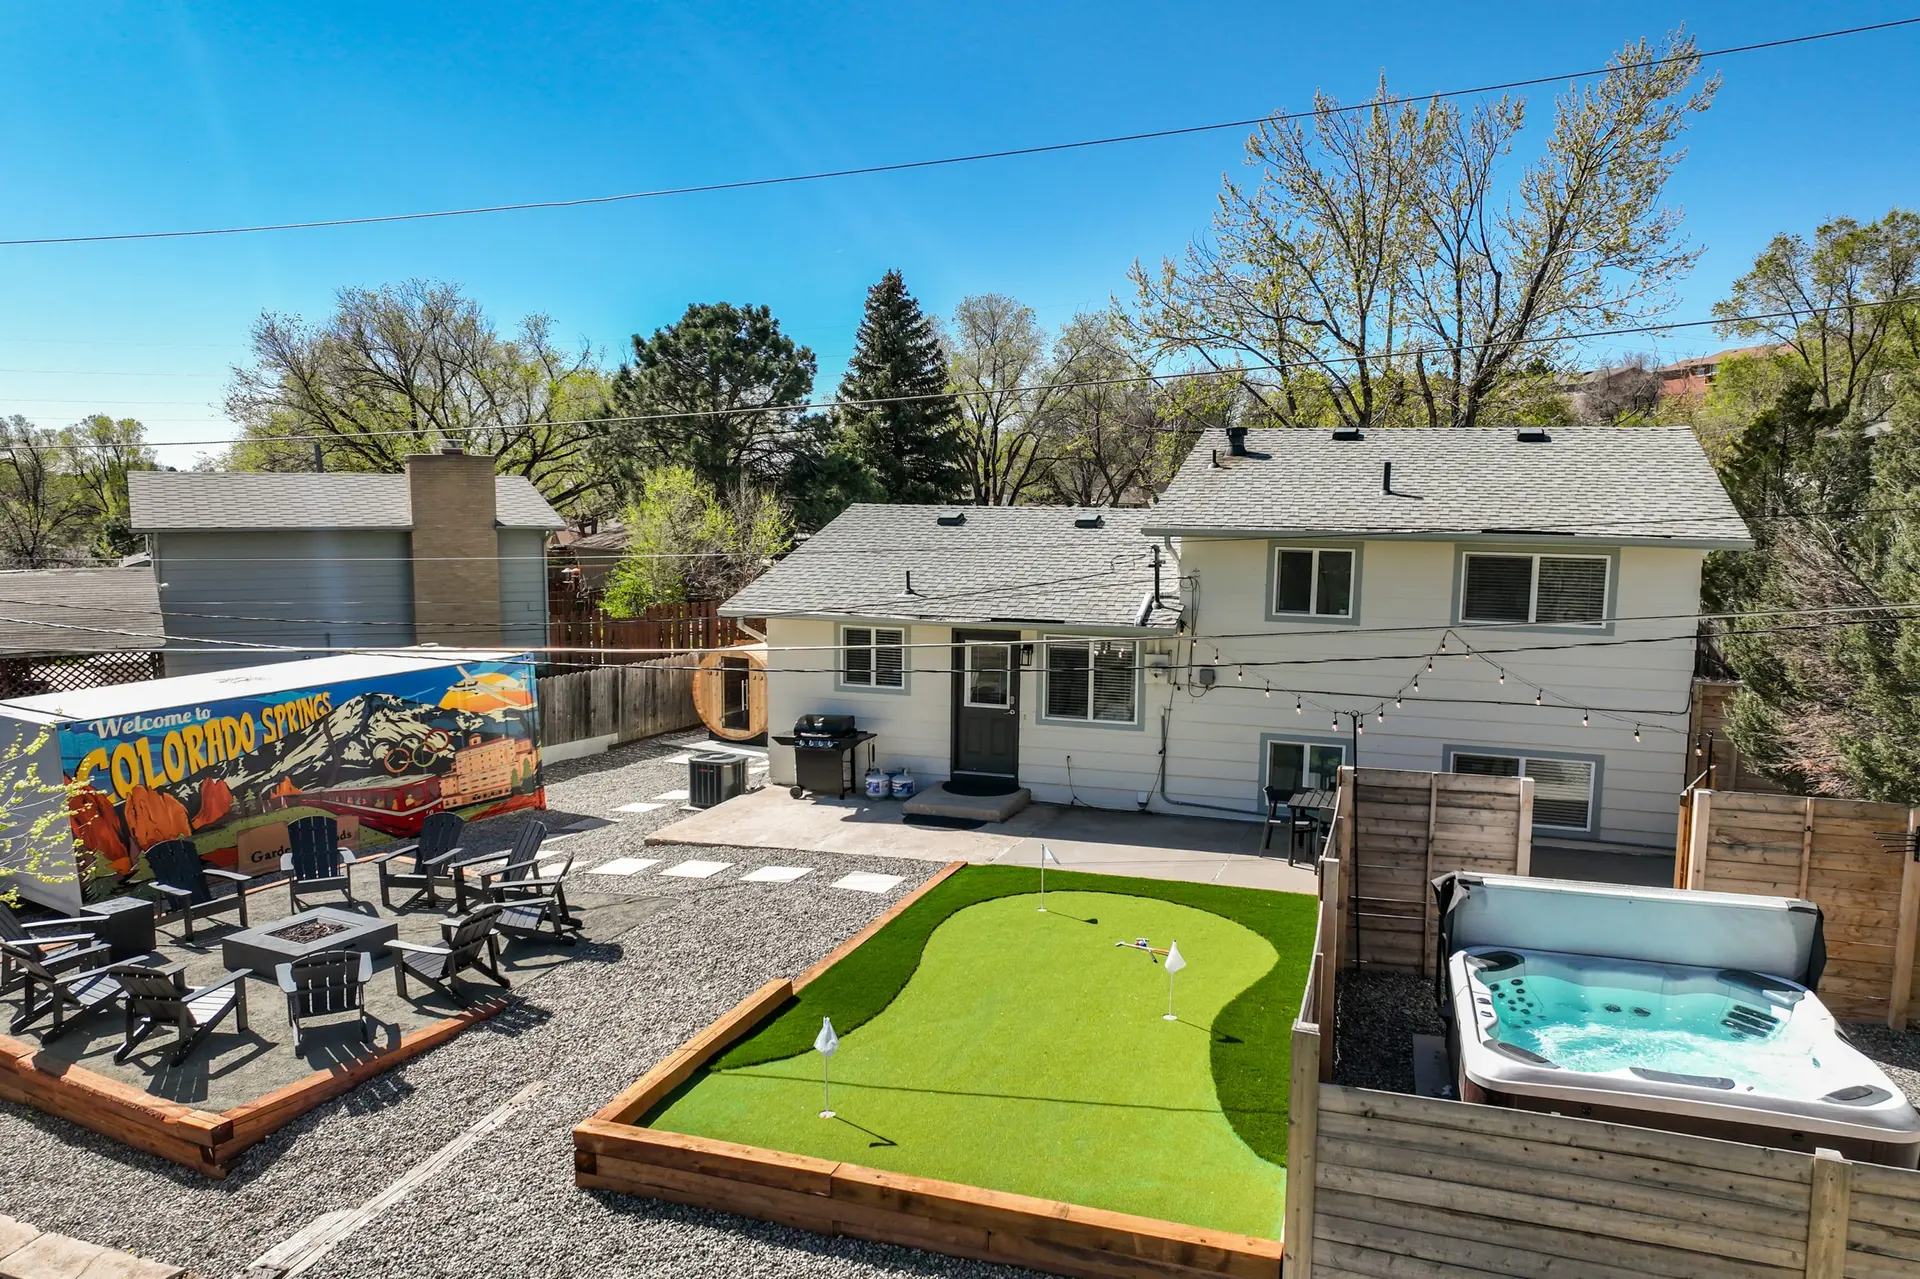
[1842, 308]
[1006, 390]
[47, 515]
[406, 369]
[721, 392]
[911, 446]
[688, 541]
[100, 451]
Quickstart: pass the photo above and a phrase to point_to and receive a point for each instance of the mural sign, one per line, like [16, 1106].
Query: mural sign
[377, 754]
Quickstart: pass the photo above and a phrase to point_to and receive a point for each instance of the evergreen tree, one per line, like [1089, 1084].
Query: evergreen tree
[911, 449]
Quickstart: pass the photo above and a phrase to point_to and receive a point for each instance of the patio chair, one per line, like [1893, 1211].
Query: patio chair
[518, 862]
[317, 863]
[47, 993]
[433, 853]
[158, 996]
[185, 883]
[1278, 814]
[535, 904]
[60, 943]
[325, 983]
[470, 942]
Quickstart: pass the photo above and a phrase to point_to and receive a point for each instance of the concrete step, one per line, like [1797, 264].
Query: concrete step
[938, 801]
[28, 1253]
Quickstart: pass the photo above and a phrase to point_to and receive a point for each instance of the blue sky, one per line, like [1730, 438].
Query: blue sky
[159, 115]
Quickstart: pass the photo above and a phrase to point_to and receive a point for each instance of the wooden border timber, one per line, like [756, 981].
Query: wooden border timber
[613, 1153]
[205, 1141]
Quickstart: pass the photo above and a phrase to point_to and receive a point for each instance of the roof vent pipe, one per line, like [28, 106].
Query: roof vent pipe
[1237, 441]
[1386, 477]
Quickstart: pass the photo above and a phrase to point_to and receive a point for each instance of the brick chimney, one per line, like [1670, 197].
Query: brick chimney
[456, 549]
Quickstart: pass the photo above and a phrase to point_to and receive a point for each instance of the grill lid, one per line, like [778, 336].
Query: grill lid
[823, 726]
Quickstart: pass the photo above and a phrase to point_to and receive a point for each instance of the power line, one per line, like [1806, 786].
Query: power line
[746, 184]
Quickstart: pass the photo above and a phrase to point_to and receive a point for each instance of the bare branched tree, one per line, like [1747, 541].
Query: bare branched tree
[1623, 393]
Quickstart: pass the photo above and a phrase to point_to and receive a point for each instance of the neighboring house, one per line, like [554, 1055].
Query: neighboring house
[1695, 376]
[70, 628]
[447, 553]
[1302, 568]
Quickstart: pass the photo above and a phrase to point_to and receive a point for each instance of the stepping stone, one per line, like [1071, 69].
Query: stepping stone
[776, 874]
[625, 866]
[550, 870]
[672, 794]
[641, 807]
[696, 869]
[676, 759]
[586, 823]
[866, 881]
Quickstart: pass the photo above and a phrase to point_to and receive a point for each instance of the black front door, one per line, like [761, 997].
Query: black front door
[986, 704]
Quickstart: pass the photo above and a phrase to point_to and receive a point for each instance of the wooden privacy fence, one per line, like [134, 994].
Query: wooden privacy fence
[611, 641]
[1383, 1184]
[1830, 852]
[1397, 830]
[619, 703]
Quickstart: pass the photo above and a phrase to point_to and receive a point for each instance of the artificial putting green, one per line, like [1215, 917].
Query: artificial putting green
[985, 1042]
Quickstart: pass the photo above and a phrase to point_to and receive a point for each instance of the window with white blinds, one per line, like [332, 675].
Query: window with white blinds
[873, 656]
[1562, 788]
[1092, 680]
[1548, 590]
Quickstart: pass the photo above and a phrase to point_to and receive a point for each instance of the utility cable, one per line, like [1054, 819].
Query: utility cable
[746, 184]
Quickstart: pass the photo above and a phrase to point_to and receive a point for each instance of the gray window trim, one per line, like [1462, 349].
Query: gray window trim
[1276, 545]
[1040, 716]
[1592, 829]
[1309, 739]
[906, 659]
[1611, 554]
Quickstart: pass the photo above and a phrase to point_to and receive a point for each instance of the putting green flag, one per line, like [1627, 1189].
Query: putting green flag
[826, 1042]
[1174, 960]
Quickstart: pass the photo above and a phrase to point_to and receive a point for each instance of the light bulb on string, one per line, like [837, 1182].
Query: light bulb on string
[1396, 701]
[1240, 673]
[1429, 663]
[1503, 677]
[1296, 706]
[1443, 643]
[1335, 725]
[1380, 716]
[1636, 732]
[1536, 697]
[1269, 690]
[1416, 683]
[1583, 719]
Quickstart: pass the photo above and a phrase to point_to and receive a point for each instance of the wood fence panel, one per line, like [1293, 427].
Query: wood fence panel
[1409, 827]
[640, 699]
[1831, 852]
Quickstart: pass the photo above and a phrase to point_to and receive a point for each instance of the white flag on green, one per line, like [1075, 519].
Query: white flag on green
[826, 1042]
[1174, 960]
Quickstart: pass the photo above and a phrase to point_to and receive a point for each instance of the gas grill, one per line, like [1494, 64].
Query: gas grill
[826, 754]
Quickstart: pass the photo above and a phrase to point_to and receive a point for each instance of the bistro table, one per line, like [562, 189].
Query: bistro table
[1318, 804]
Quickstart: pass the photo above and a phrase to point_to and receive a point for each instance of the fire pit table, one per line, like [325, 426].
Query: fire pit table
[261, 949]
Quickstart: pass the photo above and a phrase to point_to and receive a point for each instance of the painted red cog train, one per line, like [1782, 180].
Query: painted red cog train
[229, 759]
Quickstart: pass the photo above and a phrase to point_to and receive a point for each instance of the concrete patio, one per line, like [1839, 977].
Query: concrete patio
[1151, 845]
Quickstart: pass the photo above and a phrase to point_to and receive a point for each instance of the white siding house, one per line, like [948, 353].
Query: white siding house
[1306, 590]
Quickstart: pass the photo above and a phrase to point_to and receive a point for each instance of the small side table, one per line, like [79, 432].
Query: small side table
[129, 927]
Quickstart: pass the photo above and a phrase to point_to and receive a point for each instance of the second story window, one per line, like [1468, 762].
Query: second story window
[1313, 583]
[1547, 590]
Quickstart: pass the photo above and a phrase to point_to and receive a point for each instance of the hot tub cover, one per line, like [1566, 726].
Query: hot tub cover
[1780, 936]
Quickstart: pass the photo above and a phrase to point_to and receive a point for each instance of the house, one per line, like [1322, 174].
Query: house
[70, 628]
[1695, 376]
[447, 553]
[1477, 600]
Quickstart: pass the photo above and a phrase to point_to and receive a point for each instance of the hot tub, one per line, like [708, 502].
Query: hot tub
[1720, 1052]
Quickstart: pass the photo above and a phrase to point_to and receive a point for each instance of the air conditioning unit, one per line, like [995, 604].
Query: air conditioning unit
[714, 778]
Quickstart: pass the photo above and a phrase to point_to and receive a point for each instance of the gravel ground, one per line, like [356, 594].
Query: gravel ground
[1895, 1051]
[585, 1030]
[1378, 1014]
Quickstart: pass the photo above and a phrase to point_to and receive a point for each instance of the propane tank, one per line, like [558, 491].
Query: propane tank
[876, 784]
[903, 784]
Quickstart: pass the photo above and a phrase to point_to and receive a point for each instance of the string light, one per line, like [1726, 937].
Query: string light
[1636, 732]
[1335, 726]
[1396, 701]
[1381, 715]
[1240, 673]
[1416, 683]
[1503, 677]
[1296, 706]
[1269, 690]
[1583, 719]
[1429, 664]
[1536, 697]
[1443, 643]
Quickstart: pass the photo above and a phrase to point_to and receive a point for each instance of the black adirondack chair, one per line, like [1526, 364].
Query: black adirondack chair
[470, 942]
[322, 984]
[519, 862]
[535, 904]
[433, 855]
[158, 996]
[45, 993]
[186, 885]
[59, 943]
[317, 863]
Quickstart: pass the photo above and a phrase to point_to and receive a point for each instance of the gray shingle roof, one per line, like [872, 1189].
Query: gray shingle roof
[1620, 484]
[76, 610]
[1021, 564]
[194, 501]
